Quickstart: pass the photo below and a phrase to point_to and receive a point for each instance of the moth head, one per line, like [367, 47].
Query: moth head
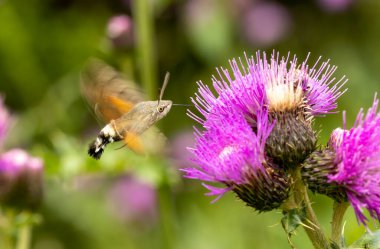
[163, 107]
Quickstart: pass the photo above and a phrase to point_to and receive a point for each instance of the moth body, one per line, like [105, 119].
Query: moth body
[119, 103]
[140, 118]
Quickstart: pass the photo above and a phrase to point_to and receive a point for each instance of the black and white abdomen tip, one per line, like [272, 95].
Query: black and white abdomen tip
[106, 135]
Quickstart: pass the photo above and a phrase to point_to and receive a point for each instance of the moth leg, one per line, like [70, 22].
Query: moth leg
[112, 122]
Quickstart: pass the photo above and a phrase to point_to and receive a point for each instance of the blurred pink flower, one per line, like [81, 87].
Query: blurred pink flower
[335, 5]
[133, 200]
[4, 121]
[119, 30]
[179, 152]
[21, 179]
[265, 23]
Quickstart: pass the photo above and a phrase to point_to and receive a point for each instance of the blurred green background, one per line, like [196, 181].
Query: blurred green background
[88, 203]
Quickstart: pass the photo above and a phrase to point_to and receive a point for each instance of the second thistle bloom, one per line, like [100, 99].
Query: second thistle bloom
[259, 125]
[351, 170]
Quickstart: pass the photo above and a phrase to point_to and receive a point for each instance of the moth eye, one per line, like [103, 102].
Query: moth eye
[161, 109]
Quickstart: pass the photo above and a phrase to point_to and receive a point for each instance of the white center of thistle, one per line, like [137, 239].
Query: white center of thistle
[226, 152]
[283, 96]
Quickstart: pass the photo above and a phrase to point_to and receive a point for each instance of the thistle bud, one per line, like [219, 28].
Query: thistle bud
[21, 179]
[266, 191]
[315, 173]
[292, 138]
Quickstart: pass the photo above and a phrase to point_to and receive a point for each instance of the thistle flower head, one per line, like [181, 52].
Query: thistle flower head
[230, 152]
[348, 169]
[357, 161]
[228, 144]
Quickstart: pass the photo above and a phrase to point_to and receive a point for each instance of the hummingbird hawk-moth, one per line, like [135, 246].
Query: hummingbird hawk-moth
[118, 103]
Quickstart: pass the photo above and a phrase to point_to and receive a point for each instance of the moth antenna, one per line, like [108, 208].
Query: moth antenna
[166, 80]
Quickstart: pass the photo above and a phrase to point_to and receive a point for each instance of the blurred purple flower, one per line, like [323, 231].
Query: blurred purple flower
[357, 158]
[21, 178]
[119, 30]
[179, 152]
[133, 200]
[335, 5]
[266, 23]
[16, 160]
[4, 121]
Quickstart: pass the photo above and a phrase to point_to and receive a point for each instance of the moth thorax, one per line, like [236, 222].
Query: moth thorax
[112, 131]
[284, 96]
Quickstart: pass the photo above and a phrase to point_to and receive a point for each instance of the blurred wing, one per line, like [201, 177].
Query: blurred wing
[108, 94]
[152, 141]
[134, 143]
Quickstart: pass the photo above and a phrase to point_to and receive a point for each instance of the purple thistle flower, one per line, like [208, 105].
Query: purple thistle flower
[257, 124]
[278, 84]
[292, 94]
[247, 115]
[357, 158]
[229, 151]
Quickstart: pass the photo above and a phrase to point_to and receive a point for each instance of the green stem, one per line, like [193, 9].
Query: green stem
[166, 220]
[6, 226]
[337, 221]
[24, 236]
[146, 58]
[315, 234]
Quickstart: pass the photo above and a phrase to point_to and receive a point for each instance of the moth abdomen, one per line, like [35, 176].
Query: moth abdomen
[107, 135]
[96, 151]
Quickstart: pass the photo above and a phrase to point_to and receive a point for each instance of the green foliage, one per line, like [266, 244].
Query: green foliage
[370, 240]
